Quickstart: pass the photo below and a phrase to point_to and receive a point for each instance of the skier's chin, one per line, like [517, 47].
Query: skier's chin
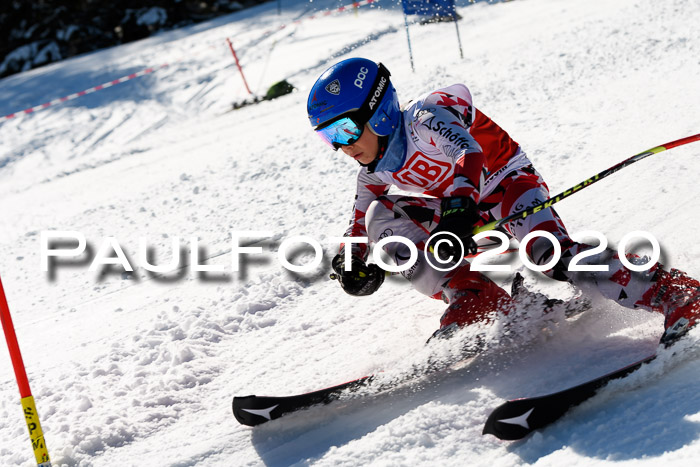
[368, 163]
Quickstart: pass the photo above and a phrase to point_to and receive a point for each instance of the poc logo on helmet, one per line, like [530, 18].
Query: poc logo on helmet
[361, 77]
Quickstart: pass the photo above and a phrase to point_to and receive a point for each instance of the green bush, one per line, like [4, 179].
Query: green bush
[279, 89]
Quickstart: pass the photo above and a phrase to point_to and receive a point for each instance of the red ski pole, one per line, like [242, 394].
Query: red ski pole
[36, 436]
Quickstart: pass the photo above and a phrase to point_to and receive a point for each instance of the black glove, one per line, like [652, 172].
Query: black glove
[458, 216]
[363, 279]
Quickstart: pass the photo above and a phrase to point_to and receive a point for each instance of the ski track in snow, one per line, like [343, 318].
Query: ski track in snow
[140, 370]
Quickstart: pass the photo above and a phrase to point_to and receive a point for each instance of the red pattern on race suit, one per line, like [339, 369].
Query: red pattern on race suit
[368, 189]
[455, 150]
[451, 148]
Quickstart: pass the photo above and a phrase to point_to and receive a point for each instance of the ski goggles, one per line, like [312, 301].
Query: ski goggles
[340, 132]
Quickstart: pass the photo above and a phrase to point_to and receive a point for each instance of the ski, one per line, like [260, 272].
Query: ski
[517, 418]
[255, 410]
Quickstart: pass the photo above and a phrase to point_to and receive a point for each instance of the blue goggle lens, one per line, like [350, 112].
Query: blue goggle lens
[341, 132]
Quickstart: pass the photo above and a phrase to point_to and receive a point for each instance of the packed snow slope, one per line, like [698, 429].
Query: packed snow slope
[139, 369]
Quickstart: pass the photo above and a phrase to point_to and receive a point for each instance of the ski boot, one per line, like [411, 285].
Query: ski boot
[472, 298]
[677, 296]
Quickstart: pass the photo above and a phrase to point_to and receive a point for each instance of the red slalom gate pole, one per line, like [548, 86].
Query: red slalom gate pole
[238, 64]
[36, 435]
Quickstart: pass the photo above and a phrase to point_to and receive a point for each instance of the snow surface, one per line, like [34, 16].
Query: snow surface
[140, 369]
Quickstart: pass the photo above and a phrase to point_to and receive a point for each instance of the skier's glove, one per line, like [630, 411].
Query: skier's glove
[363, 279]
[458, 216]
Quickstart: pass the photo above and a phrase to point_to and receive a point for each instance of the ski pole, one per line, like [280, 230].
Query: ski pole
[576, 188]
[36, 435]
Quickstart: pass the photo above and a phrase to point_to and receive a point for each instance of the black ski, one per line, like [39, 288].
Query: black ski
[517, 418]
[255, 410]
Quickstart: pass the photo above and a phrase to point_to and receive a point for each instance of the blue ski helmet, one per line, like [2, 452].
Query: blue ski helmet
[356, 88]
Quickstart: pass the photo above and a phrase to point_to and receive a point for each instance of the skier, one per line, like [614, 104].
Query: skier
[472, 172]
